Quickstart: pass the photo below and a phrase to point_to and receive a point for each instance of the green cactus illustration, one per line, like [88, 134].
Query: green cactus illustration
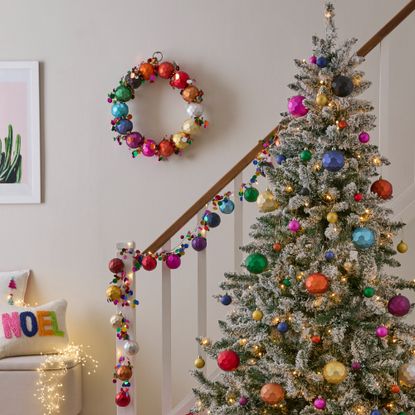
[10, 164]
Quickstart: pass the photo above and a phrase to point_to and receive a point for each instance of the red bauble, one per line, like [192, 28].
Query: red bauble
[395, 389]
[277, 247]
[116, 265]
[149, 263]
[166, 70]
[316, 339]
[317, 283]
[166, 148]
[122, 398]
[382, 188]
[358, 197]
[146, 70]
[228, 360]
[342, 124]
[179, 80]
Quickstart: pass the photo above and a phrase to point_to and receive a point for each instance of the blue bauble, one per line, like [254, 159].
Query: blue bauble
[282, 327]
[212, 219]
[124, 126]
[333, 160]
[321, 61]
[226, 299]
[329, 255]
[375, 412]
[227, 207]
[280, 159]
[119, 109]
[363, 238]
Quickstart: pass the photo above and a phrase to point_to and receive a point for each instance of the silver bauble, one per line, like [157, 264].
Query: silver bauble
[131, 347]
[116, 320]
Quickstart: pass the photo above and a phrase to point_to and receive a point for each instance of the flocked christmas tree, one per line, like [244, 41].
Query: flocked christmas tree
[316, 323]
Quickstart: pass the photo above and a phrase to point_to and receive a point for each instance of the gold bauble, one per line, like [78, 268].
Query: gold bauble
[180, 140]
[199, 363]
[402, 247]
[231, 397]
[406, 374]
[322, 100]
[257, 315]
[190, 127]
[113, 292]
[266, 202]
[334, 372]
[332, 217]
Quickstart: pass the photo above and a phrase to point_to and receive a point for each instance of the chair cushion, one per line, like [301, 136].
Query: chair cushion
[29, 363]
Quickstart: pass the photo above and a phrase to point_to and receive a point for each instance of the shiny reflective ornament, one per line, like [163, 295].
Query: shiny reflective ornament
[395, 389]
[358, 197]
[166, 148]
[180, 140]
[149, 148]
[212, 219]
[382, 188]
[280, 158]
[131, 347]
[277, 247]
[322, 100]
[356, 366]
[134, 140]
[402, 247]
[266, 202]
[122, 399]
[190, 93]
[190, 127]
[165, 70]
[124, 126]
[332, 217]
[363, 238]
[282, 327]
[321, 61]
[256, 263]
[406, 374]
[319, 403]
[119, 109]
[399, 305]
[306, 155]
[257, 315]
[251, 194]
[179, 80]
[335, 372]
[116, 265]
[194, 110]
[382, 331]
[124, 373]
[199, 243]
[294, 225]
[146, 70]
[199, 363]
[364, 137]
[173, 261]
[333, 160]
[116, 320]
[227, 206]
[113, 293]
[123, 93]
[375, 412]
[149, 263]
[225, 299]
[342, 86]
[272, 393]
[368, 292]
[342, 124]
[316, 339]
[317, 283]
[243, 401]
[296, 107]
[329, 255]
[312, 59]
[228, 360]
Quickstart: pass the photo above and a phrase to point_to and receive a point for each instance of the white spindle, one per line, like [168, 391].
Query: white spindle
[384, 73]
[237, 224]
[129, 313]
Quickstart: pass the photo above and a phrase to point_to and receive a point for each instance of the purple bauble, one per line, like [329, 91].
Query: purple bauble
[319, 403]
[356, 366]
[399, 305]
[149, 148]
[312, 59]
[296, 107]
[243, 400]
[199, 243]
[294, 225]
[364, 137]
[173, 261]
[134, 139]
[382, 331]
[124, 126]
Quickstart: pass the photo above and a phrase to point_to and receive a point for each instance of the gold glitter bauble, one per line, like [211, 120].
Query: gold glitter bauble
[334, 372]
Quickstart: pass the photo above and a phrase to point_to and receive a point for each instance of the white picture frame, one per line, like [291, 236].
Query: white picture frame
[20, 172]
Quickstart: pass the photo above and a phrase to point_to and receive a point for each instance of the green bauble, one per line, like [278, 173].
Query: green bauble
[305, 155]
[286, 282]
[123, 93]
[256, 263]
[369, 292]
[251, 194]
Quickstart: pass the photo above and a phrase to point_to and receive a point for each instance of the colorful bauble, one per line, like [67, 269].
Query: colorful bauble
[395, 389]
[334, 372]
[315, 339]
[406, 374]
[225, 299]
[402, 247]
[364, 137]
[363, 238]
[113, 293]
[266, 202]
[329, 255]
[199, 362]
[243, 401]
[294, 226]
[149, 263]
[382, 188]
[368, 292]
[173, 261]
[322, 61]
[122, 125]
[280, 158]
[199, 243]
[332, 217]
[212, 219]
[116, 265]
[312, 59]
[228, 360]
[296, 107]
[356, 366]
[122, 399]
[306, 155]
[286, 282]
[131, 347]
[399, 305]
[251, 194]
[227, 206]
[342, 124]
[317, 283]
[358, 197]
[272, 393]
[282, 327]
[277, 247]
[333, 160]
[257, 315]
[256, 263]
[124, 372]
[322, 100]
[319, 403]
[342, 86]
[382, 331]
[375, 412]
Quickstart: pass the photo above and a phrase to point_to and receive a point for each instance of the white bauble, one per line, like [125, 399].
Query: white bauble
[194, 110]
[407, 374]
[131, 347]
[116, 320]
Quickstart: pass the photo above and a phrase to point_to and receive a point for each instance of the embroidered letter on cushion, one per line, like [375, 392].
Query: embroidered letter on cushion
[11, 323]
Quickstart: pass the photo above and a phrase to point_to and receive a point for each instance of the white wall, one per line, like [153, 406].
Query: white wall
[94, 195]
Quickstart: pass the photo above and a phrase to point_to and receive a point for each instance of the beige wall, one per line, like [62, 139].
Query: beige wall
[241, 53]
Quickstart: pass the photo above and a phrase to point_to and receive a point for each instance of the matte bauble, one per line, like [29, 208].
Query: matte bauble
[251, 194]
[282, 327]
[382, 331]
[364, 137]
[294, 225]
[199, 363]
[179, 80]
[180, 140]
[227, 207]
[124, 373]
[368, 292]
[228, 360]
[166, 148]
[356, 366]
[406, 374]
[312, 59]
[322, 100]
[266, 202]
[333, 160]
[342, 86]
[113, 293]
[124, 126]
[306, 155]
[395, 389]
[173, 261]
[256, 263]
[382, 188]
[257, 315]
[131, 347]
[334, 372]
[194, 110]
[146, 70]
[363, 238]
[190, 93]
[332, 217]
[272, 393]
[319, 403]
[149, 148]
[212, 219]
[199, 243]
[243, 401]
[116, 265]
[342, 124]
[134, 140]
[225, 299]
[399, 305]
[116, 320]
[329, 255]
[165, 70]
[280, 158]
[190, 127]
[358, 197]
[317, 283]
[316, 339]
[296, 107]
[119, 109]
[321, 61]
[277, 247]
[123, 93]
[122, 399]
[149, 263]
[402, 247]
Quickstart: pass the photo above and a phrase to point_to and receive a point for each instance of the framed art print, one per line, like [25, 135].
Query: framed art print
[19, 133]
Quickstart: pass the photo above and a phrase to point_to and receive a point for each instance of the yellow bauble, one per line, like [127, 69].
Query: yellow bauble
[257, 315]
[190, 127]
[322, 100]
[335, 372]
[332, 217]
[180, 140]
[402, 247]
[266, 202]
[199, 363]
[113, 292]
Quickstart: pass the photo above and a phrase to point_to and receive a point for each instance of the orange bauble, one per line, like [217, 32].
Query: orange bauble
[382, 188]
[316, 339]
[124, 373]
[190, 93]
[317, 283]
[342, 124]
[272, 393]
[166, 70]
[277, 247]
[166, 148]
[146, 70]
[395, 389]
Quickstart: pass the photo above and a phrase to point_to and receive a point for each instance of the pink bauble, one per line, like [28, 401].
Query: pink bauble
[312, 59]
[134, 139]
[382, 331]
[319, 403]
[173, 261]
[364, 137]
[296, 107]
[294, 225]
[399, 305]
[149, 148]
[356, 366]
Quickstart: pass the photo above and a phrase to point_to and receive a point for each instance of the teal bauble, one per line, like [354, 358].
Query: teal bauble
[123, 93]
[119, 109]
[363, 238]
[251, 194]
[256, 263]
[227, 207]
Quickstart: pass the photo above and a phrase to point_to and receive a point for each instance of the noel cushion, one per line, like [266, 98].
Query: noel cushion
[13, 286]
[32, 330]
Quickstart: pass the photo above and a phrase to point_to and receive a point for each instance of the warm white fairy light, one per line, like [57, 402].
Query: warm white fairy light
[53, 369]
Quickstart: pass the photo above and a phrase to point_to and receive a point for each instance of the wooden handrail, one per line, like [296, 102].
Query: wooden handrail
[250, 156]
